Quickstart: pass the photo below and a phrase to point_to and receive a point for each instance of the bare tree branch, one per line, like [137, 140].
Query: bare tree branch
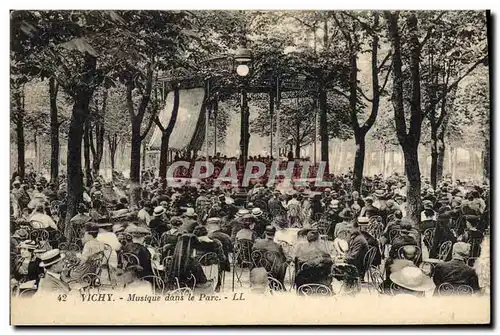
[431, 27]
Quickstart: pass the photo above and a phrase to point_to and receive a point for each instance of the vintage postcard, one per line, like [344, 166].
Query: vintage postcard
[244, 167]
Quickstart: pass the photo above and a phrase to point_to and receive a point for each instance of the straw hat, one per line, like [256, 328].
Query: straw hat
[257, 211]
[51, 257]
[190, 212]
[412, 278]
[159, 211]
[340, 245]
[242, 212]
[334, 204]
[136, 230]
[363, 219]
[28, 244]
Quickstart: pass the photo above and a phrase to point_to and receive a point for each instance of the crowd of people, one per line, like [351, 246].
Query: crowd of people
[312, 241]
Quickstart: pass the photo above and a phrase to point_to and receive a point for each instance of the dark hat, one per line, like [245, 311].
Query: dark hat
[200, 231]
[472, 219]
[346, 214]
[91, 227]
[270, 230]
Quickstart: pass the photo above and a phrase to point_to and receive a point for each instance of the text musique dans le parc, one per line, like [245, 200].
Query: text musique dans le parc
[133, 297]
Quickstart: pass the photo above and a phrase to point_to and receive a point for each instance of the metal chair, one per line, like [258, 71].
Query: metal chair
[90, 281]
[157, 283]
[242, 258]
[210, 264]
[395, 289]
[448, 289]
[394, 233]
[390, 218]
[314, 290]
[68, 246]
[429, 237]
[128, 259]
[182, 291]
[39, 235]
[375, 229]
[444, 250]
[376, 280]
[275, 285]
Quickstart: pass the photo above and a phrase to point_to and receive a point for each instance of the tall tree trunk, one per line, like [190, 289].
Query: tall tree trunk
[359, 161]
[440, 159]
[434, 157]
[297, 149]
[86, 153]
[384, 165]
[486, 159]
[112, 143]
[323, 128]
[54, 132]
[74, 158]
[19, 105]
[408, 139]
[135, 153]
[166, 132]
[37, 159]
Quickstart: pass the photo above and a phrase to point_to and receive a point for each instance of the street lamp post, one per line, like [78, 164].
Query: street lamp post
[242, 64]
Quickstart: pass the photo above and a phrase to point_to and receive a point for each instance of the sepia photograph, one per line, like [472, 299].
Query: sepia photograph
[250, 167]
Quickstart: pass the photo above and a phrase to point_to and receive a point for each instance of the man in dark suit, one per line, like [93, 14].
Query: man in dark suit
[273, 253]
[358, 247]
[456, 272]
[215, 232]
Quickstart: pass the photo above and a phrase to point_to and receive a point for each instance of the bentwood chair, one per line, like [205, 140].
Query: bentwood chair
[447, 289]
[314, 290]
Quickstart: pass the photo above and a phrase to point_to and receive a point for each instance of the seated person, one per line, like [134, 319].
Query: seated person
[28, 267]
[344, 227]
[456, 271]
[313, 261]
[273, 252]
[358, 247]
[51, 283]
[138, 248]
[442, 234]
[247, 232]
[168, 239]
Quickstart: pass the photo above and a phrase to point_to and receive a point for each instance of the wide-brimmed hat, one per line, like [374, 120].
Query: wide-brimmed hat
[159, 211]
[91, 227]
[190, 212]
[340, 245]
[412, 278]
[214, 221]
[345, 214]
[257, 211]
[270, 230]
[363, 219]
[137, 230]
[242, 212]
[28, 244]
[118, 227]
[51, 257]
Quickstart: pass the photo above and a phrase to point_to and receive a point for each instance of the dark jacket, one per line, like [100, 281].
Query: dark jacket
[358, 247]
[158, 225]
[143, 255]
[188, 225]
[227, 245]
[457, 273]
[442, 234]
